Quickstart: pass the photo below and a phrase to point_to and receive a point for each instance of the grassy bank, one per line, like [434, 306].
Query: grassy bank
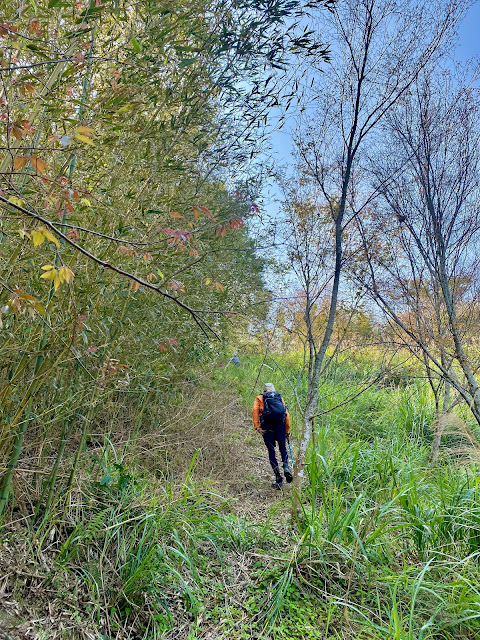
[391, 543]
[387, 547]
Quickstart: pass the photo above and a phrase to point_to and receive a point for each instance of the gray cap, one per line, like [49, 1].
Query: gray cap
[268, 386]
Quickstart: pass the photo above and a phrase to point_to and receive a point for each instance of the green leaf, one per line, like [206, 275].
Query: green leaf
[136, 45]
[186, 62]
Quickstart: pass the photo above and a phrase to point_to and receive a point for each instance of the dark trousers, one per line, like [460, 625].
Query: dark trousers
[276, 433]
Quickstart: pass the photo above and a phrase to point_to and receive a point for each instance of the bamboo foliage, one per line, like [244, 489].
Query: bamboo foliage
[109, 204]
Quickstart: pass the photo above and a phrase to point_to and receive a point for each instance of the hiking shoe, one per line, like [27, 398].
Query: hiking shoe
[288, 475]
[278, 481]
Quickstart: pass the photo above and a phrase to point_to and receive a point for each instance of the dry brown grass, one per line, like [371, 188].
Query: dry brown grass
[467, 448]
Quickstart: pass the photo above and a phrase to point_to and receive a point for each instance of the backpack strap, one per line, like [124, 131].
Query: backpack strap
[265, 399]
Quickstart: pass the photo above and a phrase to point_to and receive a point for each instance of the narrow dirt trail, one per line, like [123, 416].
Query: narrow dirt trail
[231, 456]
[255, 496]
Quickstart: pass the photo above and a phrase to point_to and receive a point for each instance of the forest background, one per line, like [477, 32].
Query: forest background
[140, 250]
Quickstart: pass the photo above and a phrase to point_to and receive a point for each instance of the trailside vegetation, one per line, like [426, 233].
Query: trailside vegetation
[137, 257]
[124, 244]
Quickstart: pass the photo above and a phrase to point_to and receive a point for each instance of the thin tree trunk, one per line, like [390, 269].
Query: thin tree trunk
[308, 421]
[439, 425]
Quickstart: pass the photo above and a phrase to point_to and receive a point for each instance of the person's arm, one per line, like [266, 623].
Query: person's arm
[256, 412]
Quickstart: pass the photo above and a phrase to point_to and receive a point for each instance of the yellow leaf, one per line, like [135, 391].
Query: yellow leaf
[86, 202]
[50, 237]
[15, 200]
[49, 275]
[85, 130]
[47, 267]
[65, 274]
[83, 138]
[37, 237]
[20, 162]
[24, 234]
[196, 213]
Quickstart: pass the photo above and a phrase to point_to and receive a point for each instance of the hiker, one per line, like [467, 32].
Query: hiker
[271, 419]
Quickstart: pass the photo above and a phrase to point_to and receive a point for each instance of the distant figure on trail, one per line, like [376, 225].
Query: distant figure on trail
[235, 360]
[271, 419]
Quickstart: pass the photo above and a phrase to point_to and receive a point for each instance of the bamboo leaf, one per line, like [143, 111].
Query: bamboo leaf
[20, 162]
[38, 238]
[84, 139]
[136, 45]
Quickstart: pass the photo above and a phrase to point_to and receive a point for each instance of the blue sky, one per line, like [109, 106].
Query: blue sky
[468, 47]
[469, 34]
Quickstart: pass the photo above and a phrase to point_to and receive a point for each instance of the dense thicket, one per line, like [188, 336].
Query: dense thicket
[126, 136]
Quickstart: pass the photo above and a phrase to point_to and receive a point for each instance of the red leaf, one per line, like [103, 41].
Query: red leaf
[134, 285]
[235, 223]
[73, 235]
[206, 211]
[38, 164]
[176, 285]
[20, 162]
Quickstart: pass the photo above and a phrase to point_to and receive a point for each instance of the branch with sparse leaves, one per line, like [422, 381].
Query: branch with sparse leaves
[107, 265]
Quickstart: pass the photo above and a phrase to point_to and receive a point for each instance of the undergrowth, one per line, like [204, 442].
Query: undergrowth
[386, 547]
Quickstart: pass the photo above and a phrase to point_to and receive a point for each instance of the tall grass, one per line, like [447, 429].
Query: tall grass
[134, 560]
[390, 542]
[386, 548]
